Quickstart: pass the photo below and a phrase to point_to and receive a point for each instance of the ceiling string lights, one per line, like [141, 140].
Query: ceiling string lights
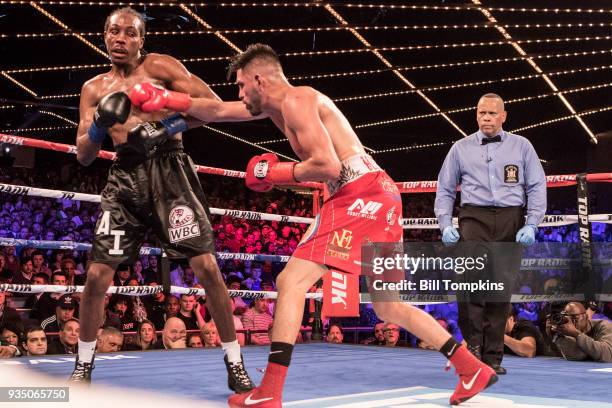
[516, 45]
[315, 29]
[460, 7]
[397, 73]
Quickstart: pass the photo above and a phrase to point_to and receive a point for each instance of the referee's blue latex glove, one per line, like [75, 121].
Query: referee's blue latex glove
[450, 235]
[526, 235]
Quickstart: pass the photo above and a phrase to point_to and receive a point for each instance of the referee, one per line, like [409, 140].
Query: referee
[500, 176]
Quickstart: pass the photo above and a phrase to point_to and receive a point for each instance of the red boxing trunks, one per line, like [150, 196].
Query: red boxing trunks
[364, 206]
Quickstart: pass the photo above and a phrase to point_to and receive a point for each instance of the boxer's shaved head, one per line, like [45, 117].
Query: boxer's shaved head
[261, 56]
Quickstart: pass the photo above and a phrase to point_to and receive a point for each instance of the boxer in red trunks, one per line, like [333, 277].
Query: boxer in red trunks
[364, 204]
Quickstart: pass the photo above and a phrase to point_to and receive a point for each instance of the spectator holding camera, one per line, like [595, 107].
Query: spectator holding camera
[579, 338]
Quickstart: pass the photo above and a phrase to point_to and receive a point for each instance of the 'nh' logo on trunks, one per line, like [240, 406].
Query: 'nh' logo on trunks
[360, 209]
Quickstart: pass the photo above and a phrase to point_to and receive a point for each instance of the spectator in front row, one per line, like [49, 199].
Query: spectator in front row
[110, 340]
[195, 341]
[145, 337]
[580, 338]
[174, 334]
[379, 335]
[258, 318]
[210, 335]
[35, 343]
[64, 311]
[10, 334]
[68, 339]
[392, 335]
[335, 334]
[522, 337]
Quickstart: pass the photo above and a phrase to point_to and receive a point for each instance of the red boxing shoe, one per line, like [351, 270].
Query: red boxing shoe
[256, 398]
[474, 376]
[268, 395]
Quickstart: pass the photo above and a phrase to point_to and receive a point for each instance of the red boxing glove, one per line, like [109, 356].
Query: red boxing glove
[152, 98]
[264, 171]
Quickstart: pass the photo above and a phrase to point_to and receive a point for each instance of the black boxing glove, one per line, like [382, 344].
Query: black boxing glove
[113, 108]
[149, 134]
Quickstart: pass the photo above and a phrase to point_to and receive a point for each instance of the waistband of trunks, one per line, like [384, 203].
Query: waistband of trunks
[353, 168]
[129, 155]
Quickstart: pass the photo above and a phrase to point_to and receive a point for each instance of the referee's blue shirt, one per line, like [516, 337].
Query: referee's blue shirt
[501, 174]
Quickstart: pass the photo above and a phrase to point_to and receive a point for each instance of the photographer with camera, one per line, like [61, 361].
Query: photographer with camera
[579, 338]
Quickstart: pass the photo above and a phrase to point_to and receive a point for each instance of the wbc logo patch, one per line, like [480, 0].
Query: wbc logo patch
[183, 224]
[511, 173]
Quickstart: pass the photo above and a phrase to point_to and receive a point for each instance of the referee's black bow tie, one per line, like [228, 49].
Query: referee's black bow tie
[493, 139]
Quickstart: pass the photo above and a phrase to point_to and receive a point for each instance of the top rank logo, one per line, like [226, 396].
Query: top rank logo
[360, 209]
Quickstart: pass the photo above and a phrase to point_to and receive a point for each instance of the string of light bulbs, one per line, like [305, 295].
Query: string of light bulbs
[471, 108]
[516, 44]
[478, 83]
[339, 18]
[430, 88]
[68, 29]
[528, 127]
[37, 129]
[221, 132]
[310, 29]
[461, 7]
[562, 118]
[55, 115]
[328, 75]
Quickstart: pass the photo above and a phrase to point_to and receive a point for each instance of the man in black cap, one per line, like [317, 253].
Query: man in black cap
[64, 311]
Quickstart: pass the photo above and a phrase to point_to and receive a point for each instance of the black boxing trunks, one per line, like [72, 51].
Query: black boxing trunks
[160, 191]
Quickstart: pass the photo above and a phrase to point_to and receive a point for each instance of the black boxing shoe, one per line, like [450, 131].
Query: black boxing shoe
[499, 370]
[82, 372]
[475, 350]
[238, 379]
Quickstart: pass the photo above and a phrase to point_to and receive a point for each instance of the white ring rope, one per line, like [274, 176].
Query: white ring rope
[407, 223]
[142, 291]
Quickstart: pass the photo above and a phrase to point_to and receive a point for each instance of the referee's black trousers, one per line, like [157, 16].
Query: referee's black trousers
[482, 322]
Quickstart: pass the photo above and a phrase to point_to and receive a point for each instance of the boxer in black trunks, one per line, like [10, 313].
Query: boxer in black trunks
[152, 183]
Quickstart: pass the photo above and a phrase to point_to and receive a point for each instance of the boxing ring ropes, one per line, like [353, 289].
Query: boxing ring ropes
[584, 218]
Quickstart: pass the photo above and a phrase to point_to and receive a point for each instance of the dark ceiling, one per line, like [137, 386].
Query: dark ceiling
[412, 79]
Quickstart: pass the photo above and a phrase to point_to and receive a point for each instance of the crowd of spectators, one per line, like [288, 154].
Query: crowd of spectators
[50, 322]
